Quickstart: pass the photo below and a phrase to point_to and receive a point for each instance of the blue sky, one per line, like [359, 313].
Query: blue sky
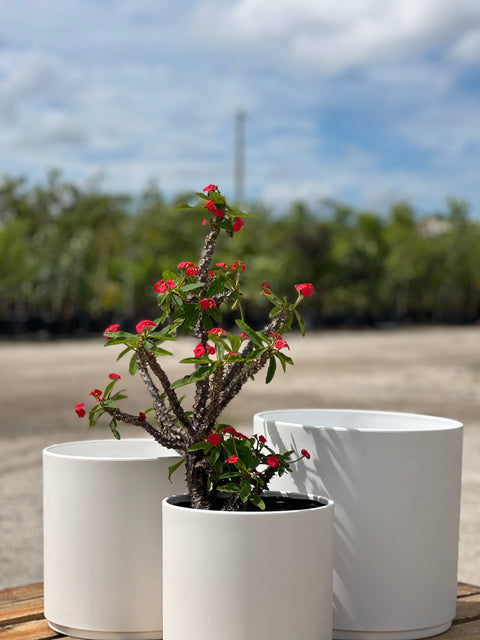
[364, 101]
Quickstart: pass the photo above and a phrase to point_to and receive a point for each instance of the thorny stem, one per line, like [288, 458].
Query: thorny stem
[163, 416]
[162, 438]
[165, 382]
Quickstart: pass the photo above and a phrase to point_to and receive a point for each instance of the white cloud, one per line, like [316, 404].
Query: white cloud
[350, 100]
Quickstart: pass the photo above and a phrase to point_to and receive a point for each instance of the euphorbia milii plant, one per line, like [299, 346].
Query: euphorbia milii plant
[224, 468]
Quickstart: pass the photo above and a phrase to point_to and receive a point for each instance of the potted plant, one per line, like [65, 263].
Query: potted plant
[226, 534]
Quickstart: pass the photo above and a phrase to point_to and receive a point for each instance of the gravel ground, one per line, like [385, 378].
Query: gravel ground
[429, 370]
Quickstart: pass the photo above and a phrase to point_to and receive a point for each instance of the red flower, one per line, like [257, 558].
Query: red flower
[306, 289]
[230, 430]
[204, 222]
[266, 289]
[114, 376]
[96, 393]
[219, 213]
[223, 265]
[145, 324]
[79, 409]
[189, 267]
[280, 344]
[238, 265]
[142, 417]
[210, 205]
[113, 328]
[262, 439]
[214, 439]
[217, 331]
[232, 353]
[199, 350]
[161, 286]
[232, 460]
[211, 350]
[273, 461]
[207, 303]
[244, 336]
[238, 224]
[305, 454]
[211, 187]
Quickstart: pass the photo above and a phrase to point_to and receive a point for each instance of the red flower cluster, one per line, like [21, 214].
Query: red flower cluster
[273, 461]
[200, 350]
[235, 433]
[96, 393]
[114, 376]
[145, 324]
[306, 289]
[214, 439]
[305, 454]
[232, 459]
[189, 267]
[207, 303]
[211, 187]
[238, 224]
[113, 328]
[80, 410]
[266, 289]
[238, 266]
[162, 285]
[217, 331]
[142, 417]
[281, 344]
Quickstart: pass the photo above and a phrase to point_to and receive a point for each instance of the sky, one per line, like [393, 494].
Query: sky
[365, 102]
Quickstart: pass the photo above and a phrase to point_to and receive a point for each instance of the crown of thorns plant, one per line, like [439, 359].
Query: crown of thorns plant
[192, 300]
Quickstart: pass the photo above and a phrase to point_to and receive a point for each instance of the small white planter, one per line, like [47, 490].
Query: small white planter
[238, 575]
[396, 480]
[103, 537]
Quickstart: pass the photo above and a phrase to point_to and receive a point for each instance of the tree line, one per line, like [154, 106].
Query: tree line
[74, 259]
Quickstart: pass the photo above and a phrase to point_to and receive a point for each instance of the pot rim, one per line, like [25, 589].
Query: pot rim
[55, 450]
[423, 422]
[324, 503]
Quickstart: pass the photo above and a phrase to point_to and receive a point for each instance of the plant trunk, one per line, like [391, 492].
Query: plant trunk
[197, 470]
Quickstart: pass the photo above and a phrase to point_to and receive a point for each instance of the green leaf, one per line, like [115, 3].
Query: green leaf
[257, 501]
[193, 286]
[196, 376]
[300, 322]
[245, 490]
[123, 353]
[271, 369]
[133, 366]
[113, 427]
[162, 352]
[215, 288]
[199, 446]
[174, 467]
[215, 456]
[193, 360]
[191, 314]
[253, 335]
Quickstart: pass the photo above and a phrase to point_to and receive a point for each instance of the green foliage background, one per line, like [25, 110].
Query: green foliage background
[73, 259]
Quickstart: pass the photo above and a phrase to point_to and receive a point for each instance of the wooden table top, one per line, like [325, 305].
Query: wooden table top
[21, 614]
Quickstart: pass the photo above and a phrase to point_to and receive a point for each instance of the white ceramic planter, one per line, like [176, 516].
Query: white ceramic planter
[103, 537]
[231, 575]
[395, 479]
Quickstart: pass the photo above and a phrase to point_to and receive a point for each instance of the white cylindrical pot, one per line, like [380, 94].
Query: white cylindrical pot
[396, 481]
[103, 536]
[238, 575]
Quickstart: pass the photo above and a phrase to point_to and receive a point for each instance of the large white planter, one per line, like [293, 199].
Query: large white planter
[235, 576]
[103, 537]
[395, 479]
